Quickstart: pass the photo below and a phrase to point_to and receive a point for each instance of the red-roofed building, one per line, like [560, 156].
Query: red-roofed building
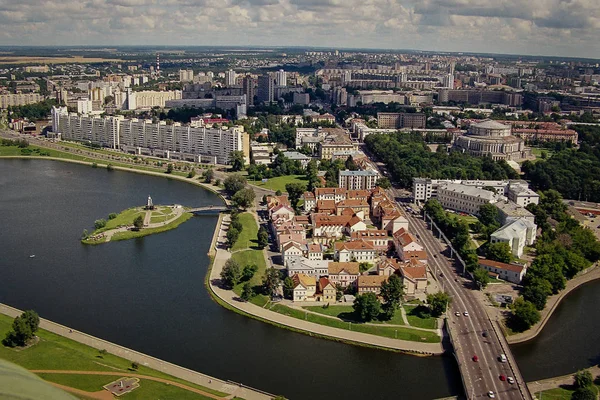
[359, 250]
[326, 291]
[509, 272]
[404, 242]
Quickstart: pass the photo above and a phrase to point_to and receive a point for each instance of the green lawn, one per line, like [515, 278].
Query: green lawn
[147, 390]
[149, 231]
[560, 393]
[60, 353]
[279, 182]
[248, 236]
[418, 318]
[125, 217]
[402, 333]
[248, 257]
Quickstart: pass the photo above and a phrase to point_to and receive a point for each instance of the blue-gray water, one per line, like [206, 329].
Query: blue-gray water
[148, 293]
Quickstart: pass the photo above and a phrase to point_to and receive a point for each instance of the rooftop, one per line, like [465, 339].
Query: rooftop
[500, 265]
[358, 173]
[468, 190]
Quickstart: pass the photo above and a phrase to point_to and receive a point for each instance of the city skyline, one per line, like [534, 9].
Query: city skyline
[539, 27]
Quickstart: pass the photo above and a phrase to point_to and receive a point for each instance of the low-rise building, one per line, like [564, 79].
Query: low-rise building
[335, 194]
[305, 287]
[343, 273]
[309, 201]
[379, 239]
[518, 234]
[405, 242]
[358, 250]
[370, 283]
[297, 156]
[315, 251]
[509, 211]
[467, 199]
[519, 193]
[326, 291]
[302, 265]
[326, 207]
[414, 277]
[509, 272]
[357, 206]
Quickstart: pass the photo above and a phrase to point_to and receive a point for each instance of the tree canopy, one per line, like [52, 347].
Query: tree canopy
[367, 306]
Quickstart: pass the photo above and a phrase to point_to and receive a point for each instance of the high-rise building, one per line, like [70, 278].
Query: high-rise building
[248, 88]
[230, 77]
[265, 92]
[186, 75]
[281, 78]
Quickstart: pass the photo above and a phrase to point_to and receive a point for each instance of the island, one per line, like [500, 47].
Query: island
[137, 222]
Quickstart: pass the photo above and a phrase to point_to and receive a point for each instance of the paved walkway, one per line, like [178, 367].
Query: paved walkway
[144, 359]
[128, 374]
[552, 383]
[228, 296]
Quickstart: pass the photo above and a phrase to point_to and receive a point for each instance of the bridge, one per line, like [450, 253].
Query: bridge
[474, 334]
[209, 210]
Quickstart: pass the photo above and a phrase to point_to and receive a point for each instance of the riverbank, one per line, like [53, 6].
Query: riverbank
[208, 383]
[586, 276]
[230, 300]
[558, 382]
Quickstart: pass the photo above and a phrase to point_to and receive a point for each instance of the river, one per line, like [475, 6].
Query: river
[148, 293]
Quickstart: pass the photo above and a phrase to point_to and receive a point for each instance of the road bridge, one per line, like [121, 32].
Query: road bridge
[209, 210]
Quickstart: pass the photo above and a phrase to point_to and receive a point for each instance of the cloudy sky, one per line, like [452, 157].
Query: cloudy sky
[549, 27]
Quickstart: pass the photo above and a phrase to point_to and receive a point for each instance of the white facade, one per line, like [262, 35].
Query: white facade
[426, 188]
[230, 77]
[463, 198]
[186, 75]
[519, 192]
[517, 234]
[84, 106]
[358, 180]
[281, 78]
[302, 265]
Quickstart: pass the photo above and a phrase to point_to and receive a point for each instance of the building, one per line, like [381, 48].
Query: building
[334, 194]
[230, 78]
[302, 265]
[7, 100]
[296, 156]
[305, 287]
[370, 283]
[176, 141]
[519, 193]
[426, 188]
[248, 89]
[186, 75]
[414, 276]
[301, 98]
[493, 138]
[359, 250]
[281, 78]
[379, 239]
[266, 89]
[517, 234]
[335, 143]
[400, 120]
[343, 274]
[326, 291]
[404, 242]
[509, 272]
[464, 198]
[84, 106]
[146, 99]
[509, 211]
[478, 96]
[357, 180]
[356, 206]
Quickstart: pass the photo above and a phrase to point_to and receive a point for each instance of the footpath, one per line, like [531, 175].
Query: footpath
[552, 383]
[234, 389]
[229, 297]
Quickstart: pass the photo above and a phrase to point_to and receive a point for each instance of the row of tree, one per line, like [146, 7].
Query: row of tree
[406, 156]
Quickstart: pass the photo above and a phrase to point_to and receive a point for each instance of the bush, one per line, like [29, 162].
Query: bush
[100, 223]
[112, 215]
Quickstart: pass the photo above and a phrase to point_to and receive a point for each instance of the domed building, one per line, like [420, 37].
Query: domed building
[494, 138]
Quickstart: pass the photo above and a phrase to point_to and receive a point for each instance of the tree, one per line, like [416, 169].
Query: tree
[112, 215]
[232, 236]
[438, 302]
[230, 275]
[263, 237]
[271, 281]
[278, 192]
[499, 251]
[135, 365]
[367, 306]
[32, 319]
[192, 173]
[481, 277]
[234, 183]
[585, 393]
[102, 353]
[237, 160]
[99, 223]
[244, 198]
[248, 272]
[208, 175]
[350, 164]
[392, 291]
[138, 222]
[311, 176]
[247, 292]
[364, 266]
[537, 290]
[383, 183]
[288, 288]
[169, 168]
[294, 191]
[20, 333]
[488, 214]
[583, 379]
[524, 315]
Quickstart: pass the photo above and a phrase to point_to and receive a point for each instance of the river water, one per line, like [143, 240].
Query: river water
[148, 293]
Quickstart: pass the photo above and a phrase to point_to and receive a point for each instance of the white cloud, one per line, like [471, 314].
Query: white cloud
[561, 27]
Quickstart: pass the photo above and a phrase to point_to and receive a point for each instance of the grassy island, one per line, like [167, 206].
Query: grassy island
[136, 222]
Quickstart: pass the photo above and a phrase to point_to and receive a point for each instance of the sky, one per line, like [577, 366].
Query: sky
[536, 27]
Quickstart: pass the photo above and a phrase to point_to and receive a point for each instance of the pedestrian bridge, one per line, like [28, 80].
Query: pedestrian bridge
[209, 210]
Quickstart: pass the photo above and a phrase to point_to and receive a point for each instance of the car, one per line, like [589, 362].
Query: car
[441, 274]
[457, 314]
[435, 256]
[502, 378]
[502, 358]
[466, 313]
[491, 395]
[484, 334]
[510, 380]
[475, 358]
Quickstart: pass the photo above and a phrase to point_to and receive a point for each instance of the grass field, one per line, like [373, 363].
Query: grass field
[418, 318]
[60, 353]
[279, 182]
[560, 393]
[54, 60]
[402, 333]
[125, 217]
[150, 231]
[247, 238]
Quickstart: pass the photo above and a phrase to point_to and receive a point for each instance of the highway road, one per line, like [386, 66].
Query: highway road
[472, 335]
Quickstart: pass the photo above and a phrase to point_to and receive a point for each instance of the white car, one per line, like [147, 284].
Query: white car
[491, 395]
[510, 380]
[457, 314]
[466, 313]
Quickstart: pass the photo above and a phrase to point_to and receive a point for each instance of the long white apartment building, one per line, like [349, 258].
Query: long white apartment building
[19, 99]
[464, 198]
[137, 136]
[516, 190]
